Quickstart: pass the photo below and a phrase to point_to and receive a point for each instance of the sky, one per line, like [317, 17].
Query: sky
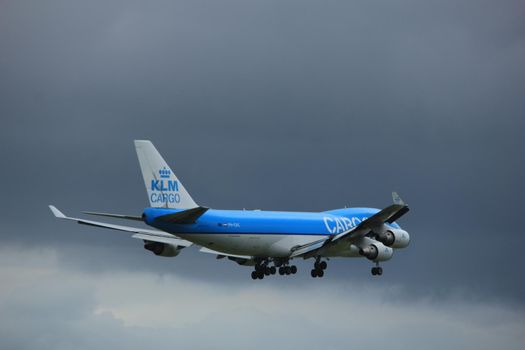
[273, 105]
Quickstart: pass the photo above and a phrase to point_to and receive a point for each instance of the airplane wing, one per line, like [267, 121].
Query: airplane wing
[144, 234]
[221, 255]
[239, 259]
[162, 239]
[388, 214]
[303, 249]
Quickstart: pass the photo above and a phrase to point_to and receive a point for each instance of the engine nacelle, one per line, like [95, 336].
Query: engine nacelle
[162, 249]
[376, 252]
[395, 238]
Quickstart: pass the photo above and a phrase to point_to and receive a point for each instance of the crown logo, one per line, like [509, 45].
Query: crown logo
[164, 173]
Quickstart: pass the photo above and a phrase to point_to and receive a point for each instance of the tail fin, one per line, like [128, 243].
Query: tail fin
[164, 189]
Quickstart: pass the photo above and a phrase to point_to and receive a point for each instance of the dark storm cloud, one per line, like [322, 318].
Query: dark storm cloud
[275, 105]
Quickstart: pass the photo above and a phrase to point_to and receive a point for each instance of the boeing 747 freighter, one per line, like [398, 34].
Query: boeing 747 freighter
[268, 241]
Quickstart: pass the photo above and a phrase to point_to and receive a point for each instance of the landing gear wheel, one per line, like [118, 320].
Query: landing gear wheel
[254, 275]
[377, 271]
[293, 269]
[313, 273]
[281, 270]
[320, 273]
[287, 270]
[273, 270]
[267, 271]
[323, 265]
[260, 275]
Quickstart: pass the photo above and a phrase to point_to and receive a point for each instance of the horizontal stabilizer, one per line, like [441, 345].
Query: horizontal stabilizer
[117, 216]
[183, 217]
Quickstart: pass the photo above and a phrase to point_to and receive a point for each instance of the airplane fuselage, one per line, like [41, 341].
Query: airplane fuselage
[263, 233]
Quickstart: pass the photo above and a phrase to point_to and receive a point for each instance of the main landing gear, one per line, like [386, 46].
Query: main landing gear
[377, 270]
[287, 270]
[262, 269]
[319, 267]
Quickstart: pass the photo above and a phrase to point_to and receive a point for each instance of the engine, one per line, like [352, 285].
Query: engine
[162, 249]
[376, 252]
[395, 238]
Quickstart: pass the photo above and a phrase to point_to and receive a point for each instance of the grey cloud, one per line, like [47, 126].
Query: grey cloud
[60, 307]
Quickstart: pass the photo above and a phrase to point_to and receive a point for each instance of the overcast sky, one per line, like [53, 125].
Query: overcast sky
[283, 105]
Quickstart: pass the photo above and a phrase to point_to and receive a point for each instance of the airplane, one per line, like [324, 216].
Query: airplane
[266, 240]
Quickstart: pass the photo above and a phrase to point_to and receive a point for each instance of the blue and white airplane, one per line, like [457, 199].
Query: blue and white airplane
[266, 240]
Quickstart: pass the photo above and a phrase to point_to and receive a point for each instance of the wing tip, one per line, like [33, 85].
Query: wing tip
[397, 199]
[139, 143]
[57, 213]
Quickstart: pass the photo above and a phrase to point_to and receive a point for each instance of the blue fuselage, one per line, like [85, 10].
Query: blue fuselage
[265, 233]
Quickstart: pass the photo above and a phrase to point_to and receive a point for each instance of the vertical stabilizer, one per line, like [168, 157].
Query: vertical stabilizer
[164, 189]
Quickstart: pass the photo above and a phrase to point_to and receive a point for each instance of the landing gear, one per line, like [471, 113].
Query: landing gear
[257, 275]
[316, 273]
[262, 269]
[287, 270]
[319, 267]
[377, 270]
